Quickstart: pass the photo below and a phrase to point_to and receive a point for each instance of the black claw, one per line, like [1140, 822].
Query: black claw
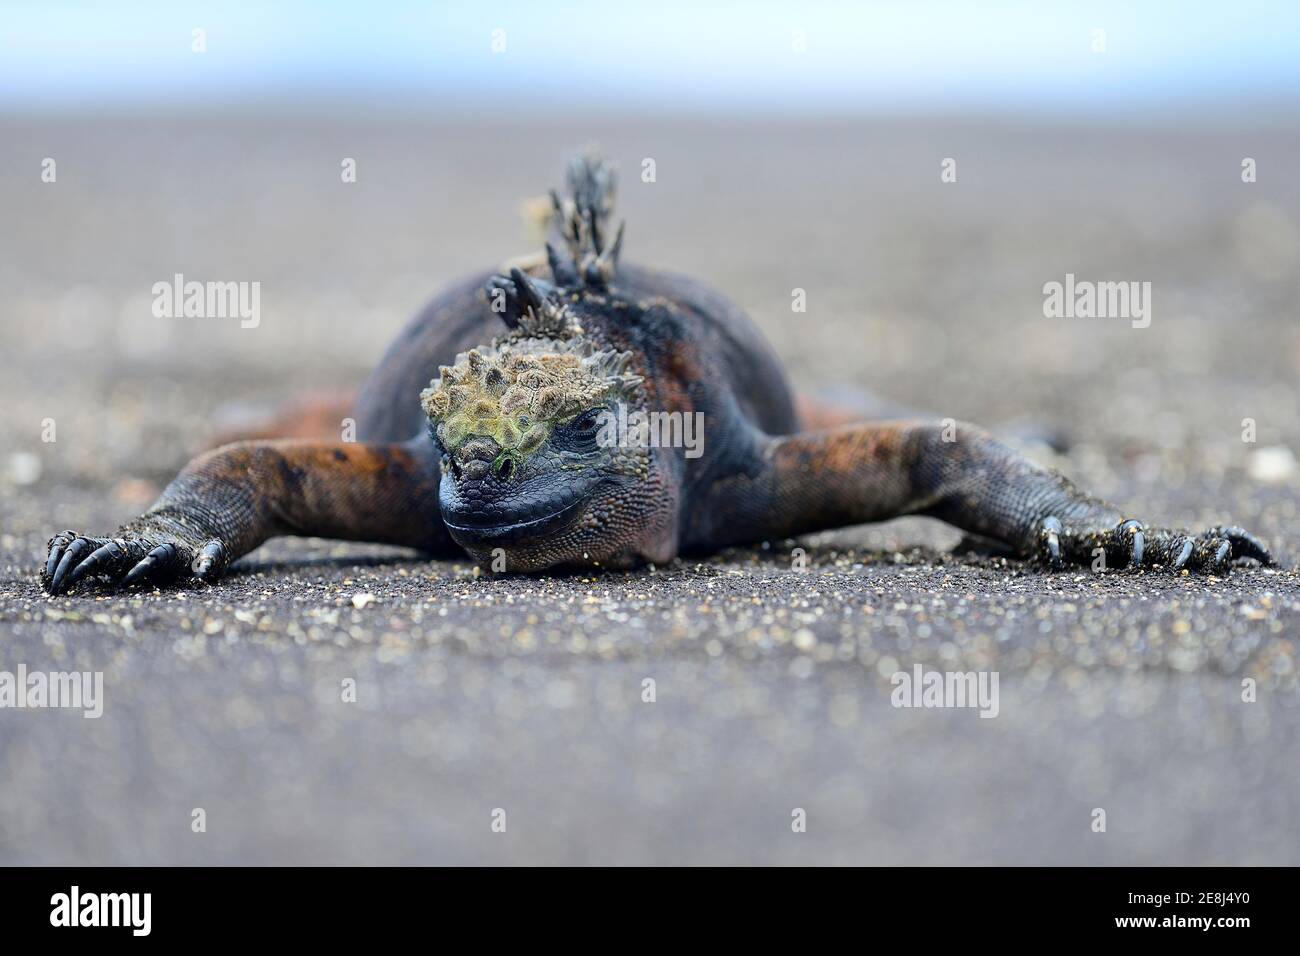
[138, 572]
[57, 545]
[210, 558]
[1221, 555]
[100, 557]
[154, 559]
[56, 552]
[1246, 545]
[1138, 543]
[70, 558]
[1052, 536]
[1183, 555]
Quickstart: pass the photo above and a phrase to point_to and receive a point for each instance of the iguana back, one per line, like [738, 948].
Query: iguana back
[388, 408]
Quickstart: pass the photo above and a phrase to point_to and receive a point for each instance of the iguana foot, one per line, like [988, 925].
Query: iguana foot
[135, 556]
[1130, 544]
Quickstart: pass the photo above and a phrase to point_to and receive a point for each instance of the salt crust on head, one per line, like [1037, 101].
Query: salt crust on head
[518, 389]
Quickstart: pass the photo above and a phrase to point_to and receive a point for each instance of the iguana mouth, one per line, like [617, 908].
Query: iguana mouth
[514, 531]
[474, 526]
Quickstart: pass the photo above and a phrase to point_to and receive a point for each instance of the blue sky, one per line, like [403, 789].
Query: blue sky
[667, 56]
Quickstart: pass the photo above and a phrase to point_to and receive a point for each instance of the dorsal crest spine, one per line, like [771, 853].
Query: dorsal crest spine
[585, 258]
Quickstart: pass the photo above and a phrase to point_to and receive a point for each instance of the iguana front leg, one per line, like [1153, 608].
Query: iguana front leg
[859, 473]
[228, 501]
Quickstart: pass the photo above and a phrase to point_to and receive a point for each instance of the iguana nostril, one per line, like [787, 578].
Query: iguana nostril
[504, 469]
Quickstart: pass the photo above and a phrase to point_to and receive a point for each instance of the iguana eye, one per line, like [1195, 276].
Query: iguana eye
[588, 421]
[579, 434]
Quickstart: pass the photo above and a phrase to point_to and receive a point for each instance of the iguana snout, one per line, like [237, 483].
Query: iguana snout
[488, 501]
[474, 460]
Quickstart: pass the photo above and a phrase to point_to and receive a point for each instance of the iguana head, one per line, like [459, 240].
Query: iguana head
[535, 471]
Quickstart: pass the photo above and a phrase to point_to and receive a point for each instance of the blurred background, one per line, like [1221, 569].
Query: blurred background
[793, 146]
[430, 60]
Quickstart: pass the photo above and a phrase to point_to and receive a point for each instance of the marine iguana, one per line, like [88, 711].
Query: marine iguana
[491, 445]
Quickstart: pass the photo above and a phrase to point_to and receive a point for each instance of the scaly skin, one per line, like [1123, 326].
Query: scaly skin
[508, 462]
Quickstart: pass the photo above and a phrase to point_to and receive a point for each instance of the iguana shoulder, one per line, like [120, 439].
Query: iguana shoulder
[693, 314]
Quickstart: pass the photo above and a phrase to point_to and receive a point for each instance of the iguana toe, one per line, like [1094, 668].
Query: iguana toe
[162, 563]
[75, 552]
